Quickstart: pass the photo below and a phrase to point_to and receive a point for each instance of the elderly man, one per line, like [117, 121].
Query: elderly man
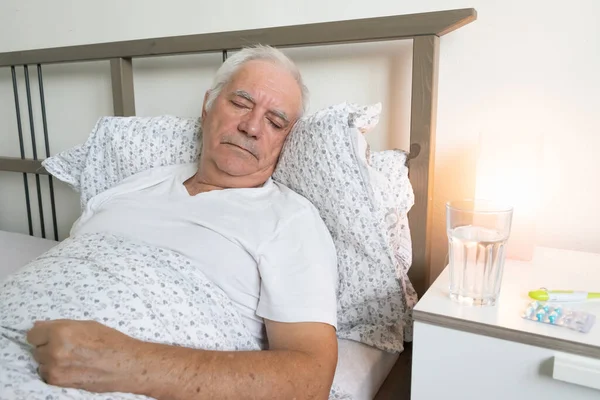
[263, 244]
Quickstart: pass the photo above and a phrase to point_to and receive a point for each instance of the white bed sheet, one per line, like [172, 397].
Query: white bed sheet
[361, 369]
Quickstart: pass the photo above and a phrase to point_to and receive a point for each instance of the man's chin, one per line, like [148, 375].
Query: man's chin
[238, 168]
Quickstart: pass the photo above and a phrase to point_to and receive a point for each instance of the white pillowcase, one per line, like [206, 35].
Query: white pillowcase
[362, 197]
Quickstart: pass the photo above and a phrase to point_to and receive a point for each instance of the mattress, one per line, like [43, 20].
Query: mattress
[361, 369]
[17, 250]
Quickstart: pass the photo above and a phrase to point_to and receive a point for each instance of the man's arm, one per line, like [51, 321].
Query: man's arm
[300, 363]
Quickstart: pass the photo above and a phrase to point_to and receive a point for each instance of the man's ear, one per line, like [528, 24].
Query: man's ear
[204, 104]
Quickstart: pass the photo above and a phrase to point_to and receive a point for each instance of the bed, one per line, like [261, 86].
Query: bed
[364, 371]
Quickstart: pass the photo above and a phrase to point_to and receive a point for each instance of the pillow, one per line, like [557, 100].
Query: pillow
[119, 147]
[363, 198]
[393, 165]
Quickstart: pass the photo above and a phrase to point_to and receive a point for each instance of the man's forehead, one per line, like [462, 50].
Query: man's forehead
[257, 78]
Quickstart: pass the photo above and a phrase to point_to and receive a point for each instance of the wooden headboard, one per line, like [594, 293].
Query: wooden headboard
[424, 29]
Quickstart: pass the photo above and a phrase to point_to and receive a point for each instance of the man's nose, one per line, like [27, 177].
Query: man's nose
[251, 124]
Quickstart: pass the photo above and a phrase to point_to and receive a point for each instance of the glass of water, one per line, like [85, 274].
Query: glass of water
[477, 234]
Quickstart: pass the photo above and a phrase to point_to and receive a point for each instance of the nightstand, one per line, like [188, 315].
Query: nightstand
[465, 352]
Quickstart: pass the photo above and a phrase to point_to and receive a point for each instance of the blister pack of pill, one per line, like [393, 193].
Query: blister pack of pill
[558, 315]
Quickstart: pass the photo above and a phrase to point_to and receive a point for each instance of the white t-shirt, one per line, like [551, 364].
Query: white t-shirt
[266, 247]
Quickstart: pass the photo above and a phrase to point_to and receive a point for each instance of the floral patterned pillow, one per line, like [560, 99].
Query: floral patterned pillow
[362, 196]
[119, 147]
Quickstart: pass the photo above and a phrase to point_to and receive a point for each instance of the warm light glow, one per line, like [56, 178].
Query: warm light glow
[508, 172]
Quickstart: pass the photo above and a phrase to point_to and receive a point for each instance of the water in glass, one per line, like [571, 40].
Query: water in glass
[477, 237]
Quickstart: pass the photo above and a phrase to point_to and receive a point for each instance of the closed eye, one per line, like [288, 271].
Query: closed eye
[275, 125]
[238, 105]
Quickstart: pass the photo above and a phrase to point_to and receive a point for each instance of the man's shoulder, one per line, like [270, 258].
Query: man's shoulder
[298, 215]
[294, 202]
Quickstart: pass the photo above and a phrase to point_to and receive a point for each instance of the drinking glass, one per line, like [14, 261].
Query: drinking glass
[477, 234]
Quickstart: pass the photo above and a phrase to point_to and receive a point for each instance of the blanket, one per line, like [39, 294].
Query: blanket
[146, 292]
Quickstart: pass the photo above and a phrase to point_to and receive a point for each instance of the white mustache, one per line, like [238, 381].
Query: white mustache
[244, 144]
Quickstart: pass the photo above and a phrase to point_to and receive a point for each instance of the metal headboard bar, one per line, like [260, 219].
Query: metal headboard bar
[34, 149]
[21, 147]
[47, 147]
[395, 27]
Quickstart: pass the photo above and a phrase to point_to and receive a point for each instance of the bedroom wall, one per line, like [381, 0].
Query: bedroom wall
[523, 70]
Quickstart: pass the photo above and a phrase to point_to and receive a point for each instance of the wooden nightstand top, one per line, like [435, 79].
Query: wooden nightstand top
[550, 268]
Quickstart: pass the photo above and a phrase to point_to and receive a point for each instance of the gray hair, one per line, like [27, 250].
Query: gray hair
[258, 52]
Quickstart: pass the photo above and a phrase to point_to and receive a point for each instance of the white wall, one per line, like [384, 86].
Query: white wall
[522, 69]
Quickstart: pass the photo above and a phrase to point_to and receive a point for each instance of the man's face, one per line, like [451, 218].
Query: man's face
[245, 129]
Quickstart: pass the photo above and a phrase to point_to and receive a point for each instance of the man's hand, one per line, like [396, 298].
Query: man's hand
[85, 355]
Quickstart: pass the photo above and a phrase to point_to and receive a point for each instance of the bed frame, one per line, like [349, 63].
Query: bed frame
[424, 29]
